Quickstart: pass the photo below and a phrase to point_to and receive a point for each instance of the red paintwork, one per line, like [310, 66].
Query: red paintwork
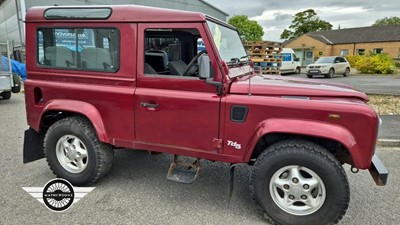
[190, 113]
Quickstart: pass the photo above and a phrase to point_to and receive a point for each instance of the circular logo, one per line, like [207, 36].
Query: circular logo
[58, 195]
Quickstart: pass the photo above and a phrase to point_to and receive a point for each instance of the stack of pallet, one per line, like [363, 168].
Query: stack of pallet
[265, 55]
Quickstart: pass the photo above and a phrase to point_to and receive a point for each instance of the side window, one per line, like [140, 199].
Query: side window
[94, 49]
[173, 52]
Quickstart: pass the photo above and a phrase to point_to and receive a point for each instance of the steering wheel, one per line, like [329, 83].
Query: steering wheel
[189, 71]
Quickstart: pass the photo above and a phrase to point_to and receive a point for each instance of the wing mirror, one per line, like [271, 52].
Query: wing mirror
[204, 66]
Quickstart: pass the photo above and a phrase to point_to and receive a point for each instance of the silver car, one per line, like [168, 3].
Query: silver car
[328, 67]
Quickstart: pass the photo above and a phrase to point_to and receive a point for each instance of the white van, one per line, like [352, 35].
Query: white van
[290, 62]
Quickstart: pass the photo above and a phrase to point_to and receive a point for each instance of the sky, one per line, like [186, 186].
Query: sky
[276, 15]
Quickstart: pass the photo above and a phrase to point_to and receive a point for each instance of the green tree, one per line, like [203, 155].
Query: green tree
[250, 29]
[394, 20]
[304, 22]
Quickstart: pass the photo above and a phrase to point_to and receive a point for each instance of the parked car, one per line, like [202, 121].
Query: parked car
[207, 105]
[328, 67]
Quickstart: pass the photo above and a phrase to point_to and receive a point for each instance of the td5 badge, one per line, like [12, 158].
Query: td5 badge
[234, 144]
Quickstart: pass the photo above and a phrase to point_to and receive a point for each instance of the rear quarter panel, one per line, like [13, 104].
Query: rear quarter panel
[112, 94]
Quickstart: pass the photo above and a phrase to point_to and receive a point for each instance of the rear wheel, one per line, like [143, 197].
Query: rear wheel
[346, 72]
[299, 182]
[74, 152]
[17, 84]
[6, 95]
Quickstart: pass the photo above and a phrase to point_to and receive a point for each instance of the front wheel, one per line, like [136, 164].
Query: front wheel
[74, 152]
[6, 95]
[309, 76]
[331, 73]
[299, 182]
[297, 71]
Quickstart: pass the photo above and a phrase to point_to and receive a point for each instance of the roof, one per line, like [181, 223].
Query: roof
[124, 13]
[387, 33]
[214, 7]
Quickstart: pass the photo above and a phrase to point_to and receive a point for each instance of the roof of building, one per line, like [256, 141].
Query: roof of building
[387, 33]
[358, 35]
[214, 7]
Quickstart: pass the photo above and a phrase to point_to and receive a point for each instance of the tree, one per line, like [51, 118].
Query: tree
[394, 20]
[304, 22]
[250, 29]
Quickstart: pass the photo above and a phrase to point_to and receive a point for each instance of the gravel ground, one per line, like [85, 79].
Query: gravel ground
[136, 190]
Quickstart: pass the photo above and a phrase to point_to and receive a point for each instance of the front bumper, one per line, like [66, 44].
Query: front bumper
[378, 171]
[320, 71]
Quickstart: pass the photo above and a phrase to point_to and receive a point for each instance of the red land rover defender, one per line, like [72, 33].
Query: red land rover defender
[105, 77]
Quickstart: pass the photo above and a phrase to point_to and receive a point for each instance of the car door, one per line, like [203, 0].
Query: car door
[176, 114]
[340, 66]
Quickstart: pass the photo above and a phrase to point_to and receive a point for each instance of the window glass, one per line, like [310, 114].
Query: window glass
[77, 13]
[344, 52]
[169, 51]
[95, 49]
[361, 51]
[378, 50]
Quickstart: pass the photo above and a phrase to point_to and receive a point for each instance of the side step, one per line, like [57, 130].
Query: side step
[183, 172]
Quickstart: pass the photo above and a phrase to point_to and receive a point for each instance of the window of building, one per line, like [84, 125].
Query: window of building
[378, 50]
[344, 52]
[94, 49]
[361, 51]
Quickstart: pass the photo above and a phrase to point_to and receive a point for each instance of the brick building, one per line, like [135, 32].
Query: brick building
[354, 41]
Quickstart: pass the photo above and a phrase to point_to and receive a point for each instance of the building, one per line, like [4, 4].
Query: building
[354, 41]
[12, 12]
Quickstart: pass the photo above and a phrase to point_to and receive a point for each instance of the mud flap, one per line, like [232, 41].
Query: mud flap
[33, 145]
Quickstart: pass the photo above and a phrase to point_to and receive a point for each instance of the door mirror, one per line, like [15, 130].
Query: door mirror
[204, 66]
[296, 59]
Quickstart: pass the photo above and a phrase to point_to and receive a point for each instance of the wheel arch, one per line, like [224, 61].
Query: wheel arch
[338, 140]
[59, 109]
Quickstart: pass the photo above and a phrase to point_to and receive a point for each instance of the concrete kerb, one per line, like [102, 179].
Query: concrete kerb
[388, 143]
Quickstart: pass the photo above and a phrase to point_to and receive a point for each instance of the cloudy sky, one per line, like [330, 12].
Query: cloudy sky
[276, 15]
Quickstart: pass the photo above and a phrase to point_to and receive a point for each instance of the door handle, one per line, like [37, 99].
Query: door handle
[148, 105]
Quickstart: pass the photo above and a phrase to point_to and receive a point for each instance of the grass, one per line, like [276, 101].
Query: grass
[385, 104]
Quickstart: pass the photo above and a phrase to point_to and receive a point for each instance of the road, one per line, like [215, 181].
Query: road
[369, 84]
[136, 190]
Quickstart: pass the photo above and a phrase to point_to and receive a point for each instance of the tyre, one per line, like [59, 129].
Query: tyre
[309, 76]
[331, 73]
[346, 72]
[6, 95]
[297, 71]
[74, 152]
[17, 84]
[299, 182]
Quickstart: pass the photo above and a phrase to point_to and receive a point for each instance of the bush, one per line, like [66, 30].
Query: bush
[352, 60]
[373, 63]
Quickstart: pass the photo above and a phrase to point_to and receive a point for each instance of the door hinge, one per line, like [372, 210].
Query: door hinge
[217, 143]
